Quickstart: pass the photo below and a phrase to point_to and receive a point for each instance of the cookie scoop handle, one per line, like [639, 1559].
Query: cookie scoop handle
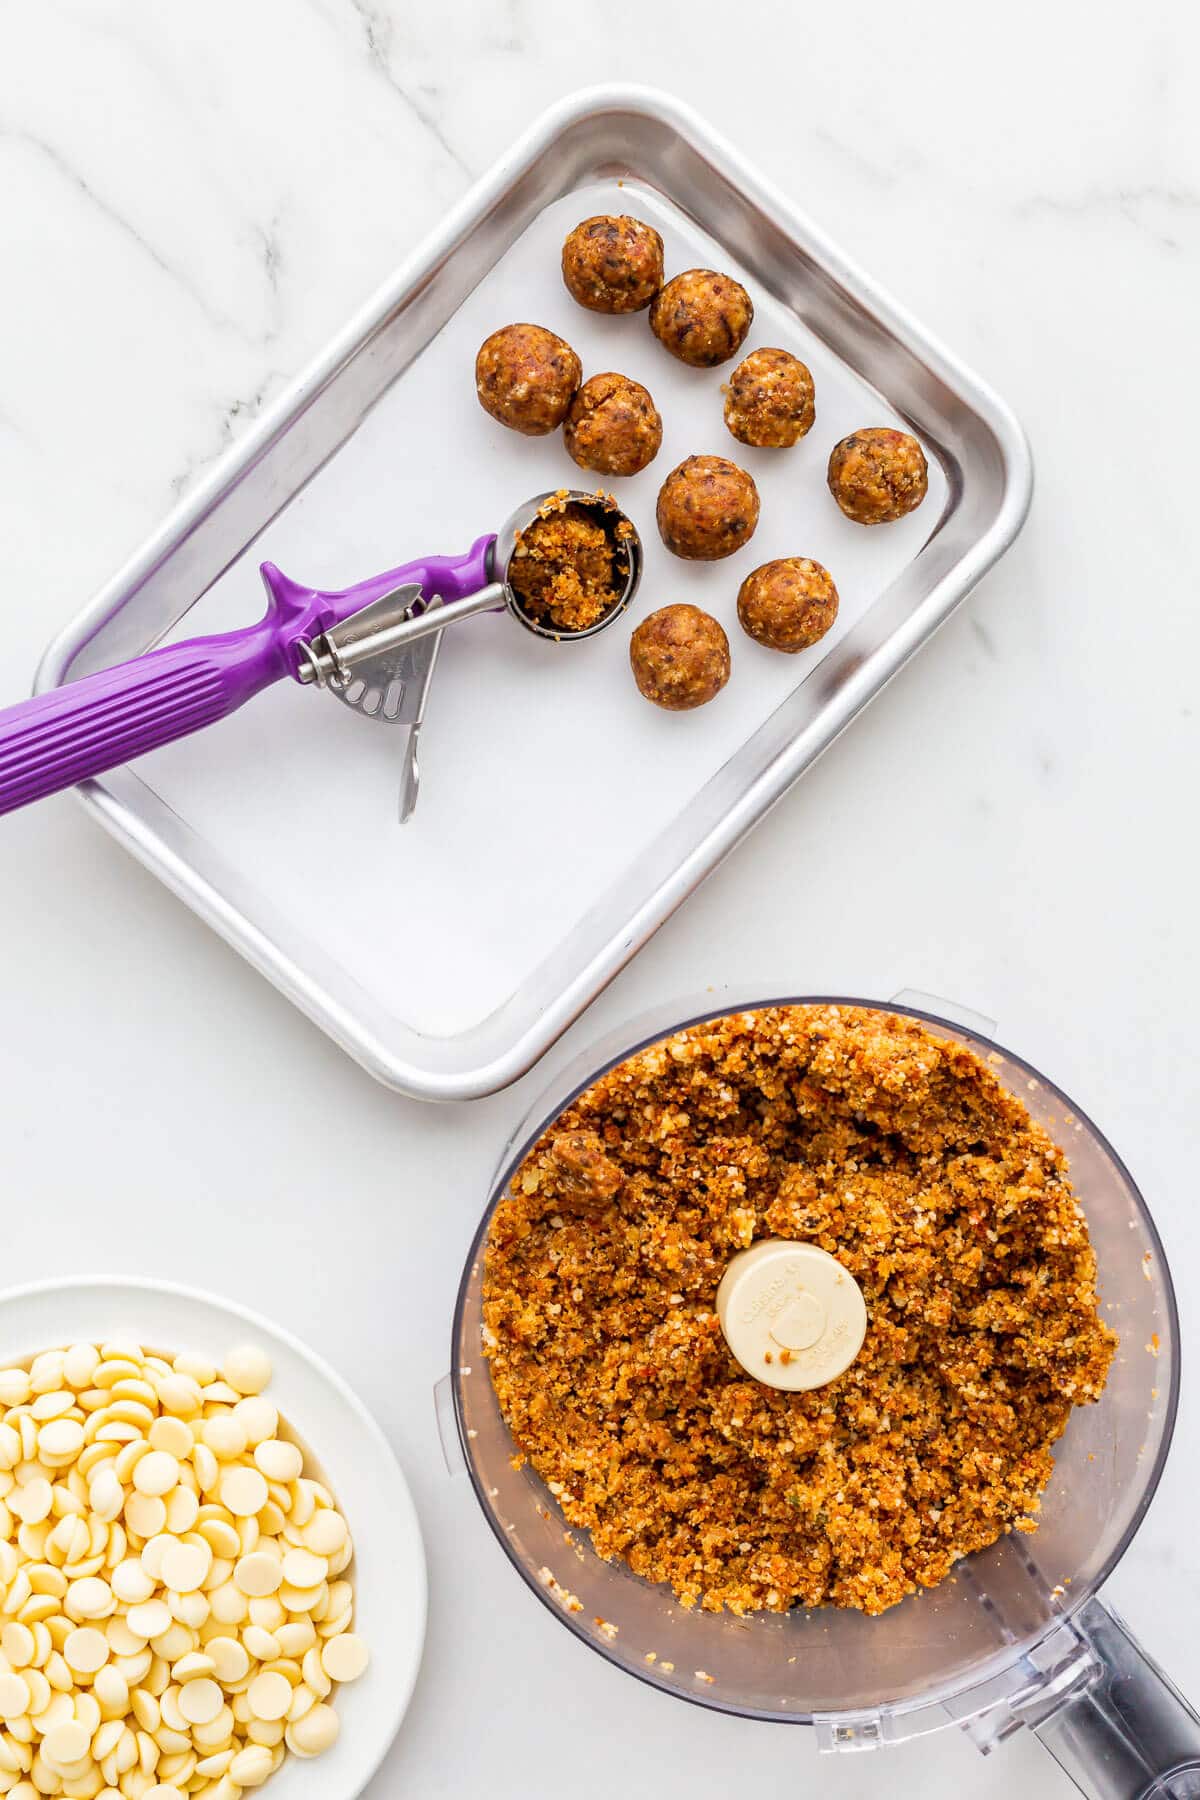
[62, 737]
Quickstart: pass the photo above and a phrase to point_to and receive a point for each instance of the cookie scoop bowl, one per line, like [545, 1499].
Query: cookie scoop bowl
[1015, 1636]
[627, 556]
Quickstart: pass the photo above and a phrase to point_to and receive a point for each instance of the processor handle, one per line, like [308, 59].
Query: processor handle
[1123, 1732]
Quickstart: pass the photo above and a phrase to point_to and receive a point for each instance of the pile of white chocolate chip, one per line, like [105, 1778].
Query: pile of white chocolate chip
[173, 1612]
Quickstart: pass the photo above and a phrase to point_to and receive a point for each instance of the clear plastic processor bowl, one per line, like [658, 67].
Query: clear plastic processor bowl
[1018, 1637]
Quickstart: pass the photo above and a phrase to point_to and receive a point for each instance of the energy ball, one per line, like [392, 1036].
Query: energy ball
[769, 400]
[526, 377]
[613, 264]
[702, 317]
[679, 657]
[613, 426]
[789, 604]
[707, 508]
[878, 474]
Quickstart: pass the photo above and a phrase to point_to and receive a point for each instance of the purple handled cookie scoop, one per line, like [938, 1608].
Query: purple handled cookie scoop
[373, 645]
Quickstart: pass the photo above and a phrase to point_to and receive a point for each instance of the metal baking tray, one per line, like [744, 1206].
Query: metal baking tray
[561, 819]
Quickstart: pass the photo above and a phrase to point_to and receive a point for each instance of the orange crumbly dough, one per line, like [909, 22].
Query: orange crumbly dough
[564, 570]
[897, 1151]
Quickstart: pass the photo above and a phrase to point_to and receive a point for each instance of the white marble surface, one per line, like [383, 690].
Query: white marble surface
[191, 201]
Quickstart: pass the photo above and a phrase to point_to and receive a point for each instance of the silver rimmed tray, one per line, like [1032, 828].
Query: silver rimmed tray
[561, 819]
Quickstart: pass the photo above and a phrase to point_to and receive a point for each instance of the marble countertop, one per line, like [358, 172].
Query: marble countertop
[191, 202]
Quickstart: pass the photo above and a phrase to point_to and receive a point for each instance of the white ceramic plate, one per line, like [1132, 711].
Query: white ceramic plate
[354, 1456]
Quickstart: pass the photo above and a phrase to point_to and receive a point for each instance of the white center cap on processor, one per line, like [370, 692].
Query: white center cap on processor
[791, 1314]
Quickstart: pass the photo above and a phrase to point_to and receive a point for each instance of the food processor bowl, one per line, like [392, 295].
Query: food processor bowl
[1015, 1635]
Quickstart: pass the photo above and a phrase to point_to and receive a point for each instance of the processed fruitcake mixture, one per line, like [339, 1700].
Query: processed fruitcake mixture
[566, 569]
[895, 1150]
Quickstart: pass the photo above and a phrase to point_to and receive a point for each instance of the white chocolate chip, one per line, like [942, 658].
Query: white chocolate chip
[344, 1658]
[106, 1495]
[79, 1365]
[67, 1743]
[303, 1569]
[145, 1514]
[112, 1691]
[279, 1461]
[224, 1436]
[61, 1438]
[192, 1665]
[314, 1733]
[147, 1619]
[212, 1766]
[228, 1603]
[251, 1767]
[243, 1491]
[131, 1582]
[16, 1643]
[260, 1643]
[180, 1394]
[185, 1567]
[270, 1695]
[183, 1509]
[257, 1418]
[14, 1697]
[296, 1637]
[258, 1574]
[85, 1650]
[172, 1436]
[325, 1532]
[156, 1474]
[32, 1501]
[247, 1369]
[89, 1598]
[201, 1700]
[14, 1387]
[231, 1660]
[198, 1367]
